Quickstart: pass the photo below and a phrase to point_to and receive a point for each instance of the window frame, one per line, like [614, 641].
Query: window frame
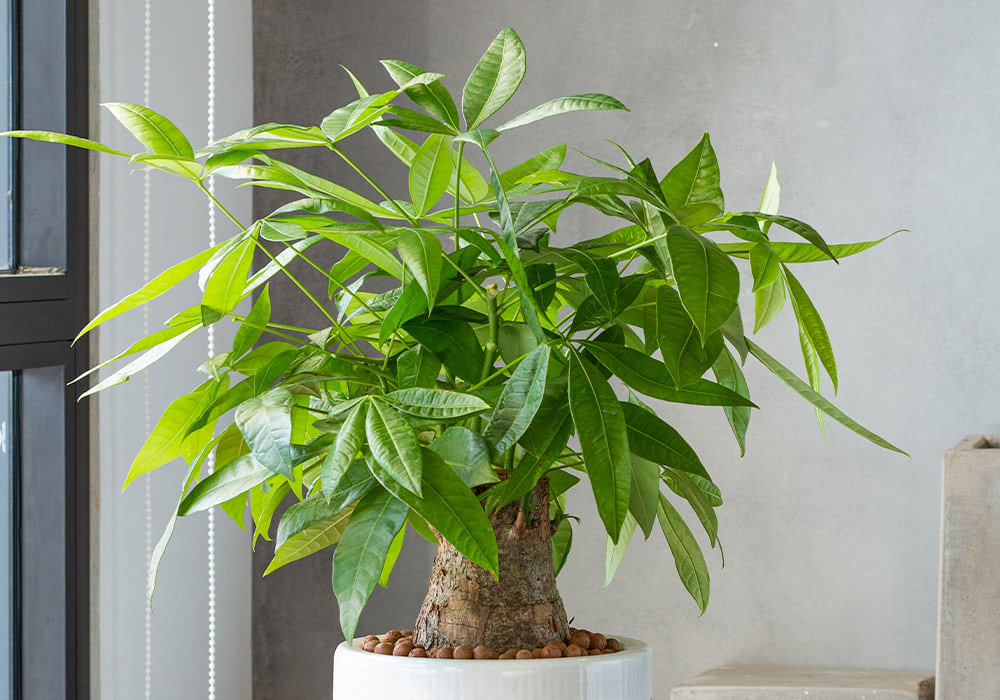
[42, 313]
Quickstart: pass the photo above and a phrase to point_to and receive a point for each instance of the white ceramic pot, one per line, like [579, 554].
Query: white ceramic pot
[624, 675]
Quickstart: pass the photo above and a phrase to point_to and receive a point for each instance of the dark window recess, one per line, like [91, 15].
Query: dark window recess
[44, 459]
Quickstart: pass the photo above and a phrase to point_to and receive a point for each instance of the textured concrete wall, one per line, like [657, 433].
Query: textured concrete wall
[878, 119]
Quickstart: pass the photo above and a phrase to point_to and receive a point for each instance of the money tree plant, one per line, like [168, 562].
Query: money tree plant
[504, 366]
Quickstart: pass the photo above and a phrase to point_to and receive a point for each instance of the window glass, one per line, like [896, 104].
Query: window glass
[7, 568]
[7, 146]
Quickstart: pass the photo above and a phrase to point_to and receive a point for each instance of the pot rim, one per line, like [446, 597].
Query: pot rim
[630, 647]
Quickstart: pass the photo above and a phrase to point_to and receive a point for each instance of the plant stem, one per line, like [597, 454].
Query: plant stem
[491, 344]
[340, 284]
[217, 203]
[271, 328]
[458, 185]
[294, 279]
[475, 287]
[637, 246]
[357, 168]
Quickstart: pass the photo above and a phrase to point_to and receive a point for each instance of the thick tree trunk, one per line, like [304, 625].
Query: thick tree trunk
[523, 610]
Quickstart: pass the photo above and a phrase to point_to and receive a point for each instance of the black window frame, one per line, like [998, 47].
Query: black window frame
[40, 314]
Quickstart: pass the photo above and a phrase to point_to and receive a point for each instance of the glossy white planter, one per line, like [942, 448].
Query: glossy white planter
[625, 675]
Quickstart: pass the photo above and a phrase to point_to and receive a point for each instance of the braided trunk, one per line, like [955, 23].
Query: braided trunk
[523, 610]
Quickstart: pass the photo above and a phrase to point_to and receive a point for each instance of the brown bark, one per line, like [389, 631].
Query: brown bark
[523, 610]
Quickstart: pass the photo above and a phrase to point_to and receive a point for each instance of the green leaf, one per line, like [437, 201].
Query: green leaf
[263, 506]
[812, 325]
[683, 356]
[561, 105]
[649, 377]
[432, 97]
[224, 288]
[652, 439]
[362, 551]
[421, 252]
[266, 424]
[728, 374]
[369, 248]
[310, 540]
[495, 78]
[346, 445]
[251, 329]
[688, 559]
[644, 493]
[52, 137]
[152, 130]
[454, 343]
[139, 364]
[430, 172]
[764, 265]
[707, 280]
[768, 303]
[417, 367]
[521, 397]
[684, 486]
[600, 427]
[616, 549]
[807, 253]
[411, 120]
[239, 476]
[532, 466]
[562, 541]
[771, 195]
[391, 556]
[467, 453]
[813, 397]
[549, 159]
[692, 189]
[798, 227]
[394, 445]
[450, 507]
[163, 282]
[435, 404]
[166, 440]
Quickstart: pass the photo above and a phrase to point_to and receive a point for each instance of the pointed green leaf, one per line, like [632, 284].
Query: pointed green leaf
[683, 354]
[417, 367]
[346, 445]
[310, 540]
[812, 325]
[684, 486]
[692, 189]
[224, 288]
[798, 227]
[707, 280]
[652, 439]
[813, 397]
[728, 374]
[764, 265]
[768, 302]
[152, 130]
[688, 559]
[139, 364]
[394, 445]
[435, 404]
[644, 493]
[616, 550]
[266, 424]
[391, 556]
[562, 541]
[549, 159]
[454, 343]
[467, 453]
[495, 78]
[433, 97]
[771, 196]
[251, 329]
[521, 397]
[430, 172]
[421, 252]
[561, 105]
[66, 139]
[450, 507]
[239, 476]
[600, 427]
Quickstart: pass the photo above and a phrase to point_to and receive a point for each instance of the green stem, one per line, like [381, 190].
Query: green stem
[270, 328]
[340, 284]
[637, 246]
[491, 344]
[458, 185]
[475, 287]
[364, 175]
[217, 203]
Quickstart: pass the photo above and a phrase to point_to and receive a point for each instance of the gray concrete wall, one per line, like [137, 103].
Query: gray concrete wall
[879, 116]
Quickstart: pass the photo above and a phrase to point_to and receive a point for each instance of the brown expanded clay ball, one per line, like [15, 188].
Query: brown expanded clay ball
[370, 644]
[594, 652]
[574, 650]
[483, 652]
[614, 645]
[407, 633]
[403, 647]
[561, 644]
[523, 654]
[581, 639]
[509, 654]
[551, 651]
[463, 652]
[536, 653]
[598, 641]
[392, 636]
[445, 653]
[383, 648]
[418, 653]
